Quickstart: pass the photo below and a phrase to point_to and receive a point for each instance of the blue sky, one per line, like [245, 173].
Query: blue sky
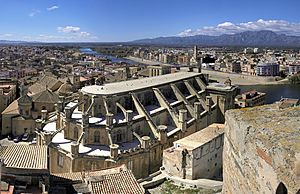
[124, 20]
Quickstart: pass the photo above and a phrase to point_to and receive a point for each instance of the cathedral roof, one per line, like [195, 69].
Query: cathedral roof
[25, 99]
[43, 83]
[46, 96]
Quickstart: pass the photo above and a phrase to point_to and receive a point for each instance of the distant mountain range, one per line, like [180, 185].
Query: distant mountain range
[12, 42]
[263, 38]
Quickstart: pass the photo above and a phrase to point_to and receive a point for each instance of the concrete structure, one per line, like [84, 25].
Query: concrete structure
[261, 150]
[267, 69]
[132, 122]
[293, 68]
[250, 99]
[196, 156]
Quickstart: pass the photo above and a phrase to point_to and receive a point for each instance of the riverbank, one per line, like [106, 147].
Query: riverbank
[239, 79]
[236, 79]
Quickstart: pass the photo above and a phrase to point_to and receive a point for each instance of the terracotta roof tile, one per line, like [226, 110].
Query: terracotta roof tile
[25, 156]
[118, 183]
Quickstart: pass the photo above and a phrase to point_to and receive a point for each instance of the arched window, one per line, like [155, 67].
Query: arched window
[281, 189]
[75, 135]
[96, 137]
[119, 136]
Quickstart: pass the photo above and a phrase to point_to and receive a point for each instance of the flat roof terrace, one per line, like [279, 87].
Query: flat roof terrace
[138, 84]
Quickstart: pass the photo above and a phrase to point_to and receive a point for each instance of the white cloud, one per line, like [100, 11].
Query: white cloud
[69, 29]
[34, 12]
[278, 26]
[84, 34]
[52, 8]
[73, 33]
[6, 35]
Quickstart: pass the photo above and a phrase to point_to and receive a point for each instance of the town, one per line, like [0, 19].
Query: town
[74, 120]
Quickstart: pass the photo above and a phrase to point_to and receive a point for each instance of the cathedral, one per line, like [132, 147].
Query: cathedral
[130, 122]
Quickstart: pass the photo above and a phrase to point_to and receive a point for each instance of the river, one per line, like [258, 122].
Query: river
[100, 55]
[275, 92]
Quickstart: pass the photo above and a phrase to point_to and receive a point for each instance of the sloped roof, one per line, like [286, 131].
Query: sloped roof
[66, 88]
[77, 176]
[2, 150]
[45, 96]
[44, 83]
[119, 183]
[25, 156]
[118, 180]
[25, 99]
[13, 108]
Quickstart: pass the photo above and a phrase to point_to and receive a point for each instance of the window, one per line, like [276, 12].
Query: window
[75, 135]
[96, 137]
[60, 160]
[119, 136]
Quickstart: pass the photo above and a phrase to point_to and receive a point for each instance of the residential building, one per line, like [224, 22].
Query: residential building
[196, 156]
[267, 69]
[293, 68]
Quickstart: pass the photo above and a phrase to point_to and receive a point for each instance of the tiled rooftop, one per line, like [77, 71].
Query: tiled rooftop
[118, 183]
[25, 156]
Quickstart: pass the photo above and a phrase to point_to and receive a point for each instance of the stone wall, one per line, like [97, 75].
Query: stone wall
[261, 150]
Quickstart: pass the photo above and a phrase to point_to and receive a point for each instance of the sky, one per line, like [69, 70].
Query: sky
[126, 20]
